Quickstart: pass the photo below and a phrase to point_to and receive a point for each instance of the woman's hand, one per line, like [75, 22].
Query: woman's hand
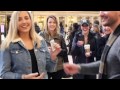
[56, 51]
[80, 43]
[33, 76]
[88, 54]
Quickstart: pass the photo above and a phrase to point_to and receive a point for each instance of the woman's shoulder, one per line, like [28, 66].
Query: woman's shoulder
[15, 45]
[43, 43]
[11, 46]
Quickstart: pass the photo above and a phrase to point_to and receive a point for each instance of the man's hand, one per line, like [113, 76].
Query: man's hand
[71, 68]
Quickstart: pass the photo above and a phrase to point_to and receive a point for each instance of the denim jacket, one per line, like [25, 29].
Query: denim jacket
[16, 60]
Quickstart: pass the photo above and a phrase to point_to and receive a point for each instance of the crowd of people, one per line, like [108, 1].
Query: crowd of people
[30, 53]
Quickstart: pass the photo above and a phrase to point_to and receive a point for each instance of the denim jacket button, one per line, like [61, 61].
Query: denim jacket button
[36, 50]
[16, 52]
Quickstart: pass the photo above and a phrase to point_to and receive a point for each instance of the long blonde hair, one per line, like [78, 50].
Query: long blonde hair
[13, 31]
[57, 30]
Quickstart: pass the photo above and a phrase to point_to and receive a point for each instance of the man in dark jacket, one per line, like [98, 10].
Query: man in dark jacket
[112, 20]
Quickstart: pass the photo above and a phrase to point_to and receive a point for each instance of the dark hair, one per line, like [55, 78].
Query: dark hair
[8, 21]
[61, 24]
[96, 22]
[75, 25]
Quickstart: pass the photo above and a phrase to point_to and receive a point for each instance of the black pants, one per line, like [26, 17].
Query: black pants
[56, 75]
[78, 76]
[81, 76]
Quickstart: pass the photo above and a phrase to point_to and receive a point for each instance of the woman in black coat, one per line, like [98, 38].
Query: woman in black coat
[81, 39]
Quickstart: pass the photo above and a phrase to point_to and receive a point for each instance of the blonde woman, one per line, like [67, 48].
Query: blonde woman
[24, 53]
[52, 33]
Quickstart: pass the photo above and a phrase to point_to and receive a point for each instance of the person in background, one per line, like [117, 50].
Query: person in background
[71, 35]
[112, 69]
[96, 32]
[37, 28]
[62, 29]
[24, 54]
[82, 38]
[52, 32]
[103, 40]
[96, 22]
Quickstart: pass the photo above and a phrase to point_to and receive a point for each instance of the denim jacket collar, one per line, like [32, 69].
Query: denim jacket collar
[20, 41]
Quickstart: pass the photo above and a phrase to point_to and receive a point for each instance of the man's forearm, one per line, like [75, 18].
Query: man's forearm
[90, 68]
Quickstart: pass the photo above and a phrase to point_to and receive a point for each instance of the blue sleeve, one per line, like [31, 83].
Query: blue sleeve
[5, 66]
